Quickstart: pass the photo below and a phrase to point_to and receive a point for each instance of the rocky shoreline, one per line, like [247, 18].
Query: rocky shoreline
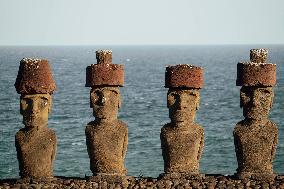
[206, 181]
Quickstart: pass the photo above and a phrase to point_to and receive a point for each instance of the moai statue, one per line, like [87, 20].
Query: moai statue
[256, 136]
[106, 136]
[35, 143]
[182, 140]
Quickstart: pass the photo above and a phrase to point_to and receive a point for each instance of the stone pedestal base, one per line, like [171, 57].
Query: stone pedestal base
[256, 176]
[36, 180]
[188, 176]
[110, 178]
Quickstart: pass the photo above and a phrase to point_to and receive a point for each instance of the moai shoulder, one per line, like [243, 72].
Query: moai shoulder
[28, 136]
[117, 128]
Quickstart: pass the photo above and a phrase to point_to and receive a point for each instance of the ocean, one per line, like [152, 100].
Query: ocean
[144, 106]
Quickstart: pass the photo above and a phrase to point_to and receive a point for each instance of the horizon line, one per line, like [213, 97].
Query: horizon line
[74, 45]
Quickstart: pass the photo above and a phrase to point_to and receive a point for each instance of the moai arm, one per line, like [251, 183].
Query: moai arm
[54, 150]
[237, 145]
[125, 143]
[275, 142]
[201, 146]
[87, 139]
[19, 154]
[162, 144]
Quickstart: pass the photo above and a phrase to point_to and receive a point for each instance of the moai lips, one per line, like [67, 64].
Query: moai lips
[182, 140]
[35, 144]
[256, 137]
[106, 137]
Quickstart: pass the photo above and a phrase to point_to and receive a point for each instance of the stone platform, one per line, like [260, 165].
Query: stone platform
[206, 181]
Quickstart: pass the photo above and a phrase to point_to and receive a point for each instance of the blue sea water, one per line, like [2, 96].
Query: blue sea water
[144, 104]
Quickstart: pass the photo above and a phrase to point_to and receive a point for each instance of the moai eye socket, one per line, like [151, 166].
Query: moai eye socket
[265, 94]
[24, 104]
[245, 95]
[96, 96]
[191, 96]
[172, 97]
[43, 102]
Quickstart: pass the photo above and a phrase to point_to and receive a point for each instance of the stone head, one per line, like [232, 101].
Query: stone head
[256, 101]
[105, 102]
[35, 109]
[182, 104]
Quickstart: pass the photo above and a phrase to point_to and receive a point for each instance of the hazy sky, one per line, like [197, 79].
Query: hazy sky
[99, 22]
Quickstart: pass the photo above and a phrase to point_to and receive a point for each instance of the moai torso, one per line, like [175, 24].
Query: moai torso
[36, 152]
[182, 148]
[255, 147]
[107, 144]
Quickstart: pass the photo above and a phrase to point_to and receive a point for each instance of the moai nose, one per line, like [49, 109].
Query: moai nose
[181, 102]
[255, 98]
[34, 107]
[102, 100]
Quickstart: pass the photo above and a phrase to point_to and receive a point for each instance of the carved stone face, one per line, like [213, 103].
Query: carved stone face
[35, 109]
[105, 102]
[256, 101]
[182, 104]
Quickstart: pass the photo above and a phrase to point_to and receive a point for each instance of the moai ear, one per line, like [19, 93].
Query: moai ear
[241, 98]
[49, 104]
[91, 103]
[21, 111]
[119, 102]
[272, 100]
[197, 102]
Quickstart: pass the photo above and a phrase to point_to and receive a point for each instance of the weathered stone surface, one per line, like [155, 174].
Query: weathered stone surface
[35, 109]
[184, 75]
[255, 146]
[256, 102]
[182, 140]
[256, 137]
[256, 74]
[107, 145]
[182, 148]
[35, 144]
[104, 73]
[36, 151]
[34, 77]
[106, 137]
[258, 55]
[208, 181]
[104, 56]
